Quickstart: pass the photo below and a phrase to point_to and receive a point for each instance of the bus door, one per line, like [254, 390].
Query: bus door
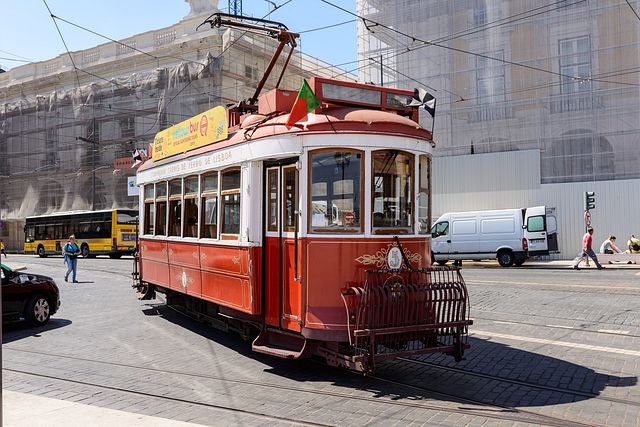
[283, 290]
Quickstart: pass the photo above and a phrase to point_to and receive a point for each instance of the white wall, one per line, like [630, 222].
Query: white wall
[512, 180]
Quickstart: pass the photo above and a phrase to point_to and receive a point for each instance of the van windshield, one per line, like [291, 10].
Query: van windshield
[440, 229]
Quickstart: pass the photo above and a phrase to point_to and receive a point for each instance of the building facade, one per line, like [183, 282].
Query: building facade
[560, 79]
[68, 128]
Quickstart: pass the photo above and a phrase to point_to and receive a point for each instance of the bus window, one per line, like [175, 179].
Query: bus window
[175, 207]
[161, 208]
[30, 233]
[392, 191]
[424, 195]
[209, 205]
[190, 207]
[128, 217]
[231, 202]
[335, 191]
[149, 209]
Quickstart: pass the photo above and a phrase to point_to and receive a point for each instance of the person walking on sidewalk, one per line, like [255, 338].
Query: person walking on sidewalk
[587, 250]
[71, 250]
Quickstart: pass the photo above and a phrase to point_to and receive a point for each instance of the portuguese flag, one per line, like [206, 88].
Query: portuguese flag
[305, 102]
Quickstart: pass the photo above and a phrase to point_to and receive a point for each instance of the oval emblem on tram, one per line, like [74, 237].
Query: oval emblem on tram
[394, 258]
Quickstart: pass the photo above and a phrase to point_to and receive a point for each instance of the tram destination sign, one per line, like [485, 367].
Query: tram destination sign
[198, 131]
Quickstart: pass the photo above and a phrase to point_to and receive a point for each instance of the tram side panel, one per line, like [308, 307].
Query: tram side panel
[226, 275]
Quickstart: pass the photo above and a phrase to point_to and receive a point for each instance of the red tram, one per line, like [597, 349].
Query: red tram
[314, 239]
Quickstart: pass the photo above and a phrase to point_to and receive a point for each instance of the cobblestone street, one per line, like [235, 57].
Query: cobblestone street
[549, 346]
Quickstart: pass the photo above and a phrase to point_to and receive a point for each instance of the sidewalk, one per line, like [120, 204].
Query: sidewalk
[562, 264]
[21, 409]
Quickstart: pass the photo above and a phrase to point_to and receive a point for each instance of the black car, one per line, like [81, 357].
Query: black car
[32, 297]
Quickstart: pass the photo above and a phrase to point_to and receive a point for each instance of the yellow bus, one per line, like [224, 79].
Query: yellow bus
[106, 232]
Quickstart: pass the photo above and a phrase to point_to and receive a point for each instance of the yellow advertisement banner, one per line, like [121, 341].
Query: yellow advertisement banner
[198, 131]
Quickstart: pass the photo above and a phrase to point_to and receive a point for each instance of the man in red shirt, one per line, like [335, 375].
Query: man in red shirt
[587, 250]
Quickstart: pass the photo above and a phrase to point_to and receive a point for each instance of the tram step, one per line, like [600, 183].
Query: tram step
[280, 344]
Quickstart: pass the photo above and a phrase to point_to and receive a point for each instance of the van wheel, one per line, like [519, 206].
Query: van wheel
[41, 252]
[443, 262]
[505, 258]
[85, 250]
[518, 262]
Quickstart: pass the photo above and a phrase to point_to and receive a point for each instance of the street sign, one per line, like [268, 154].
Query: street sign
[349, 217]
[132, 188]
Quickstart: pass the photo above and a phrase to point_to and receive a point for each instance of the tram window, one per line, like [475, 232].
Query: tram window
[335, 191]
[289, 188]
[175, 207]
[149, 209]
[209, 203]
[231, 202]
[424, 195]
[161, 209]
[190, 207]
[272, 178]
[149, 216]
[392, 190]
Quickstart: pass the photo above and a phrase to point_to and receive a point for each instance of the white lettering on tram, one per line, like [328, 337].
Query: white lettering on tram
[186, 167]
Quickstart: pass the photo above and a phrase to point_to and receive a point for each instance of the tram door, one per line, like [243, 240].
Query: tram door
[283, 290]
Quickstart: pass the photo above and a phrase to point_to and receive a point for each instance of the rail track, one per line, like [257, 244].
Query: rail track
[443, 402]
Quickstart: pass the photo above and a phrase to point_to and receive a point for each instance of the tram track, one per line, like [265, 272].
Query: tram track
[567, 328]
[482, 409]
[522, 383]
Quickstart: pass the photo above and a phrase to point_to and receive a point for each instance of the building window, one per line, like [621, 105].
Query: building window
[175, 207]
[490, 83]
[480, 13]
[392, 191]
[575, 64]
[336, 204]
[149, 209]
[190, 207]
[161, 208]
[209, 200]
[230, 192]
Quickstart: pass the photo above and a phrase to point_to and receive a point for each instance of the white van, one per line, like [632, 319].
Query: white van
[510, 235]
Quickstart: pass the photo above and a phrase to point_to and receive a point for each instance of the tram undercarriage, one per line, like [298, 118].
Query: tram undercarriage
[396, 313]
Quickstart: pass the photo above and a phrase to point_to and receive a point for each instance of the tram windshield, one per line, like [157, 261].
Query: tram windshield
[392, 189]
[335, 191]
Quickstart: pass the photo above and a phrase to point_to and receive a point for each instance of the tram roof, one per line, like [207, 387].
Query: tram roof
[331, 120]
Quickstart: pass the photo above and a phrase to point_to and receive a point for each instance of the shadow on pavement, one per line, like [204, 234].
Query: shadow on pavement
[13, 331]
[492, 373]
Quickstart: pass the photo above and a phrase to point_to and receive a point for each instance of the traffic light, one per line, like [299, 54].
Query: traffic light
[589, 200]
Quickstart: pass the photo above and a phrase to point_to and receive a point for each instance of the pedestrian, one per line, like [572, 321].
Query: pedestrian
[587, 250]
[609, 246]
[2, 248]
[633, 245]
[71, 252]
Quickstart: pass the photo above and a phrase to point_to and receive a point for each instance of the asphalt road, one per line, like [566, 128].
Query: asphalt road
[549, 346]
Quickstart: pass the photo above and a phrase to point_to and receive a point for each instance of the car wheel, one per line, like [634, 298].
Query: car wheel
[505, 258]
[85, 250]
[518, 262]
[38, 311]
[443, 261]
[41, 252]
